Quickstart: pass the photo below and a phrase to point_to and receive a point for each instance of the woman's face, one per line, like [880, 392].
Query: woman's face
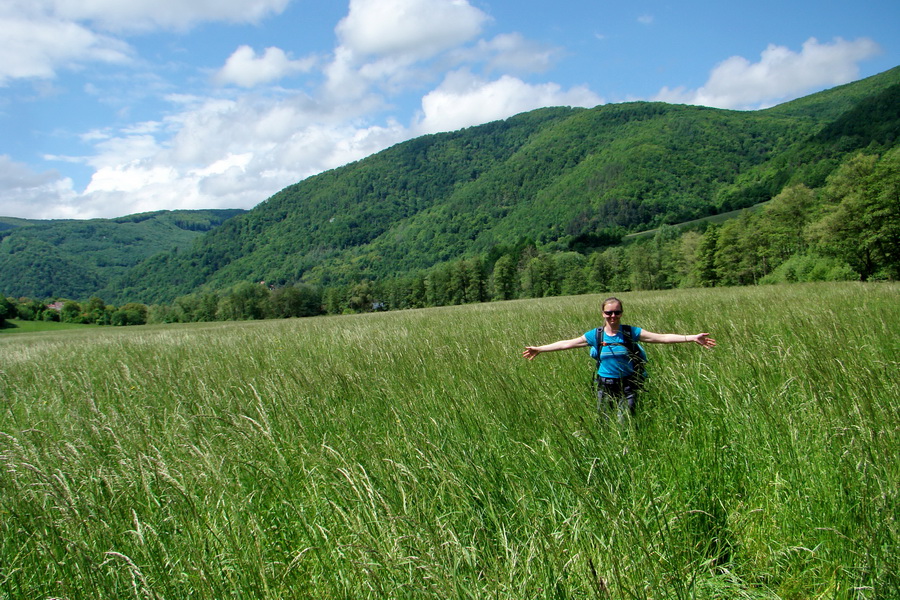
[612, 313]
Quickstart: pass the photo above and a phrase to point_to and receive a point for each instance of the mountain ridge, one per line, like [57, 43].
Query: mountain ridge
[73, 258]
[561, 177]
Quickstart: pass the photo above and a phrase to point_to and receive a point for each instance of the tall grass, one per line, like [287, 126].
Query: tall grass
[417, 455]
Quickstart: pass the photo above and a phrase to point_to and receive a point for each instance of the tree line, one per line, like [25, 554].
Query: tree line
[849, 229]
[92, 312]
[242, 302]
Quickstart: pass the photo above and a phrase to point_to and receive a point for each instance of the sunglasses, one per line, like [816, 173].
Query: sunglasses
[610, 313]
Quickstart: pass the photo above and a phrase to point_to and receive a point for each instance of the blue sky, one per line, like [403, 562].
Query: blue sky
[110, 108]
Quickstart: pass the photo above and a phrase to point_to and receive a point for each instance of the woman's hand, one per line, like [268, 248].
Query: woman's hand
[530, 352]
[704, 340]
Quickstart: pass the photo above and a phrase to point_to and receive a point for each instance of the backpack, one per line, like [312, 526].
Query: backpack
[636, 353]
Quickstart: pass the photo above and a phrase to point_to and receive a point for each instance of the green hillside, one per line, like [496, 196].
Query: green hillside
[555, 179]
[75, 259]
[561, 177]
[554, 175]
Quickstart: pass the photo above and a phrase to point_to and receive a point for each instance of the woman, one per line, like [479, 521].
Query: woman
[613, 345]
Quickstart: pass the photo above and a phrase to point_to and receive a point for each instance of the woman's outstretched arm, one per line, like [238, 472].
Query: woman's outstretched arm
[676, 338]
[532, 351]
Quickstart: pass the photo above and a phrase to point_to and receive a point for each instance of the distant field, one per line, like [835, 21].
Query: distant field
[417, 455]
[18, 326]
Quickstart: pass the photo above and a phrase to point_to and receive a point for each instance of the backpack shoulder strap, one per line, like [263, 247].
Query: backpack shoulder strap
[599, 333]
[634, 351]
[628, 336]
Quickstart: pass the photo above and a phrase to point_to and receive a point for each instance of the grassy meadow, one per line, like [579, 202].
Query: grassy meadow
[417, 455]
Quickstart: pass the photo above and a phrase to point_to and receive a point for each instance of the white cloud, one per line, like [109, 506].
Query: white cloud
[153, 14]
[130, 178]
[416, 28]
[126, 148]
[463, 100]
[247, 69]
[214, 153]
[36, 48]
[343, 79]
[385, 44]
[514, 52]
[33, 195]
[42, 36]
[780, 75]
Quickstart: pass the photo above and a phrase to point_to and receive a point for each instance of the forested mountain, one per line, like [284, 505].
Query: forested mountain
[75, 259]
[561, 177]
[555, 179]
